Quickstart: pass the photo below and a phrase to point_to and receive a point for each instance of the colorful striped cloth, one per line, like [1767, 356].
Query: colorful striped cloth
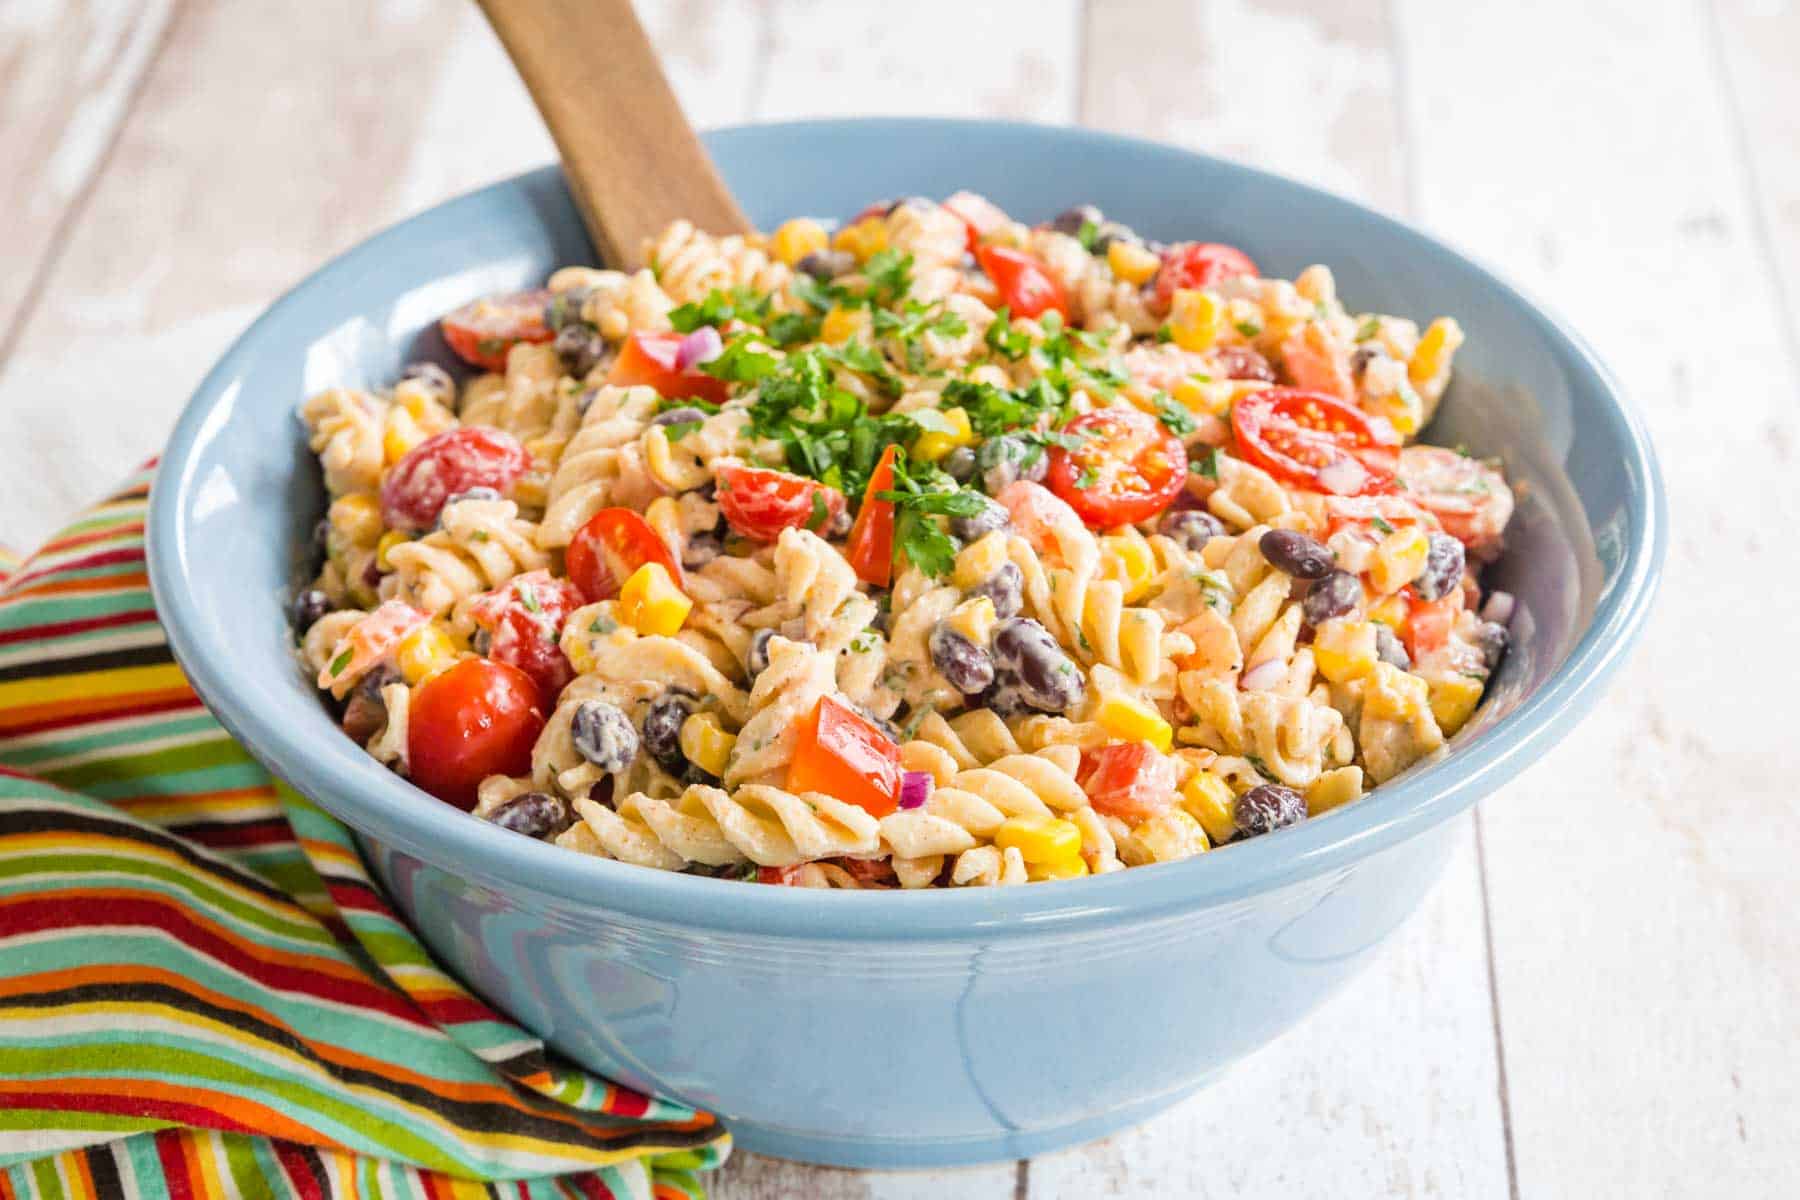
[202, 992]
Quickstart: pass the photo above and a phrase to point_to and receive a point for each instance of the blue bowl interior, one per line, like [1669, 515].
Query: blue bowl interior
[239, 492]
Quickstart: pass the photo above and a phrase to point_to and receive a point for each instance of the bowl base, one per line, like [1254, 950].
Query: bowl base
[901, 1154]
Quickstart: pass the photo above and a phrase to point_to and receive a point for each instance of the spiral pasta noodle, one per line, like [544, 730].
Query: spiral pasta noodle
[689, 264]
[787, 690]
[344, 428]
[601, 465]
[482, 544]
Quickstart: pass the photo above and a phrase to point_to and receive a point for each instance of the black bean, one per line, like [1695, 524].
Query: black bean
[1070, 220]
[759, 652]
[965, 665]
[364, 715]
[1006, 459]
[827, 264]
[564, 308]
[1296, 554]
[662, 731]
[1110, 232]
[1492, 639]
[584, 400]
[1266, 808]
[695, 773]
[1362, 356]
[321, 538]
[1191, 528]
[604, 735]
[1006, 588]
[1242, 362]
[678, 416]
[1443, 567]
[991, 517]
[1332, 596]
[534, 814]
[309, 606]
[959, 464]
[1048, 679]
[1004, 697]
[436, 380]
[581, 348]
[1389, 649]
[701, 549]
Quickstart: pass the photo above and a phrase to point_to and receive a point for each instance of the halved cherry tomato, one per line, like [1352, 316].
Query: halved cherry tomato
[614, 543]
[870, 872]
[1129, 780]
[780, 876]
[1316, 442]
[1039, 515]
[524, 621]
[654, 360]
[871, 545]
[368, 642]
[477, 719]
[439, 467]
[1370, 513]
[760, 503]
[1197, 265]
[1471, 498]
[1026, 285]
[979, 215]
[1428, 622]
[842, 754]
[1127, 468]
[481, 333]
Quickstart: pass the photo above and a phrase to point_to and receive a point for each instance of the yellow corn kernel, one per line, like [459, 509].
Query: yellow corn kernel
[1437, 345]
[356, 518]
[842, 324]
[402, 434]
[1208, 799]
[1390, 612]
[1040, 839]
[974, 619]
[1062, 868]
[1131, 262]
[1132, 720]
[1403, 409]
[980, 560]
[863, 240]
[423, 653]
[705, 743]
[1334, 789]
[1196, 318]
[1391, 694]
[1170, 835]
[1212, 396]
[1398, 559]
[1453, 701]
[797, 239]
[1130, 561]
[933, 444]
[1344, 649]
[389, 540]
[651, 603]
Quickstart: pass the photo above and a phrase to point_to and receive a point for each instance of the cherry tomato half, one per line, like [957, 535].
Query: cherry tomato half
[1429, 622]
[524, 621]
[1197, 265]
[1127, 468]
[871, 545]
[1129, 780]
[1026, 286]
[477, 719]
[654, 360]
[1040, 516]
[481, 333]
[368, 642]
[1471, 498]
[1316, 442]
[760, 503]
[614, 543]
[441, 466]
[842, 754]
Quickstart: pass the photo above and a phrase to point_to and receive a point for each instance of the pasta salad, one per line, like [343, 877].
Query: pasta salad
[935, 550]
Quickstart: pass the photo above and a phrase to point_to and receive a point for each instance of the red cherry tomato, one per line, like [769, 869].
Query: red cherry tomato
[1471, 498]
[841, 754]
[760, 503]
[654, 360]
[871, 545]
[1128, 780]
[483, 332]
[1026, 286]
[477, 719]
[779, 876]
[614, 543]
[979, 215]
[1371, 513]
[1429, 622]
[439, 467]
[1038, 514]
[1314, 364]
[524, 621]
[1197, 265]
[1316, 442]
[1127, 468]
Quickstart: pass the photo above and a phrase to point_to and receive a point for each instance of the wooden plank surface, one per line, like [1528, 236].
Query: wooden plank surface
[1641, 875]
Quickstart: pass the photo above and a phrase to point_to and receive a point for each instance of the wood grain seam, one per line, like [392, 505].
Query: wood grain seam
[1487, 938]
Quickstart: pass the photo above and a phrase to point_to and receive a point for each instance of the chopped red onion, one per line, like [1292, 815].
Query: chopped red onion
[1499, 608]
[915, 788]
[702, 345]
[1345, 476]
[1263, 676]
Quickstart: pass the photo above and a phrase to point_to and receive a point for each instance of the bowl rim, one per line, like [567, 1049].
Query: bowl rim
[385, 807]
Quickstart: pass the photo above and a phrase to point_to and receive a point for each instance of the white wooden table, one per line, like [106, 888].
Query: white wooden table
[1601, 998]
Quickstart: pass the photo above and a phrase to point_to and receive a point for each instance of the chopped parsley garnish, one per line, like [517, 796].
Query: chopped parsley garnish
[1004, 340]
[677, 430]
[912, 322]
[1174, 415]
[1262, 768]
[791, 329]
[817, 294]
[1207, 464]
[826, 432]
[1088, 478]
[1249, 328]
[744, 360]
[1088, 235]
[340, 662]
[603, 625]
[528, 597]
[920, 496]
[1381, 524]
[718, 308]
[889, 273]
[993, 411]
[820, 513]
[1369, 328]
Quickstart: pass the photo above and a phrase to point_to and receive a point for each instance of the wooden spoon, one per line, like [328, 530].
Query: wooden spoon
[633, 161]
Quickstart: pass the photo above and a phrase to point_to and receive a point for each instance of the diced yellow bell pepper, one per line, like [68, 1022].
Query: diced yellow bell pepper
[1040, 839]
[1062, 868]
[389, 540]
[1394, 695]
[1334, 789]
[1130, 561]
[1208, 799]
[423, 653]
[1132, 720]
[863, 240]
[974, 619]
[651, 603]
[933, 444]
[798, 238]
[706, 743]
[1130, 261]
[1453, 700]
[1398, 560]
[1344, 649]
[979, 560]
[1437, 345]
[1171, 835]
[842, 324]
[1196, 318]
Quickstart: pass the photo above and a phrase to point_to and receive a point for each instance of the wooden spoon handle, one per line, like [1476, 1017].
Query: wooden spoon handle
[633, 161]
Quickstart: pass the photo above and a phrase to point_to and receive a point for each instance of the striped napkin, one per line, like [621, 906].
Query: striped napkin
[202, 992]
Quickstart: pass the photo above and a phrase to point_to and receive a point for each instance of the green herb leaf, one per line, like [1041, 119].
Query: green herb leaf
[791, 329]
[677, 430]
[528, 597]
[1381, 524]
[1004, 340]
[1249, 329]
[1174, 414]
[742, 361]
[1370, 327]
[889, 273]
[820, 513]
[340, 662]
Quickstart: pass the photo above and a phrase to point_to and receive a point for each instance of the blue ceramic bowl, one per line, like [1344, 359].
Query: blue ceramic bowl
[883, 1029]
